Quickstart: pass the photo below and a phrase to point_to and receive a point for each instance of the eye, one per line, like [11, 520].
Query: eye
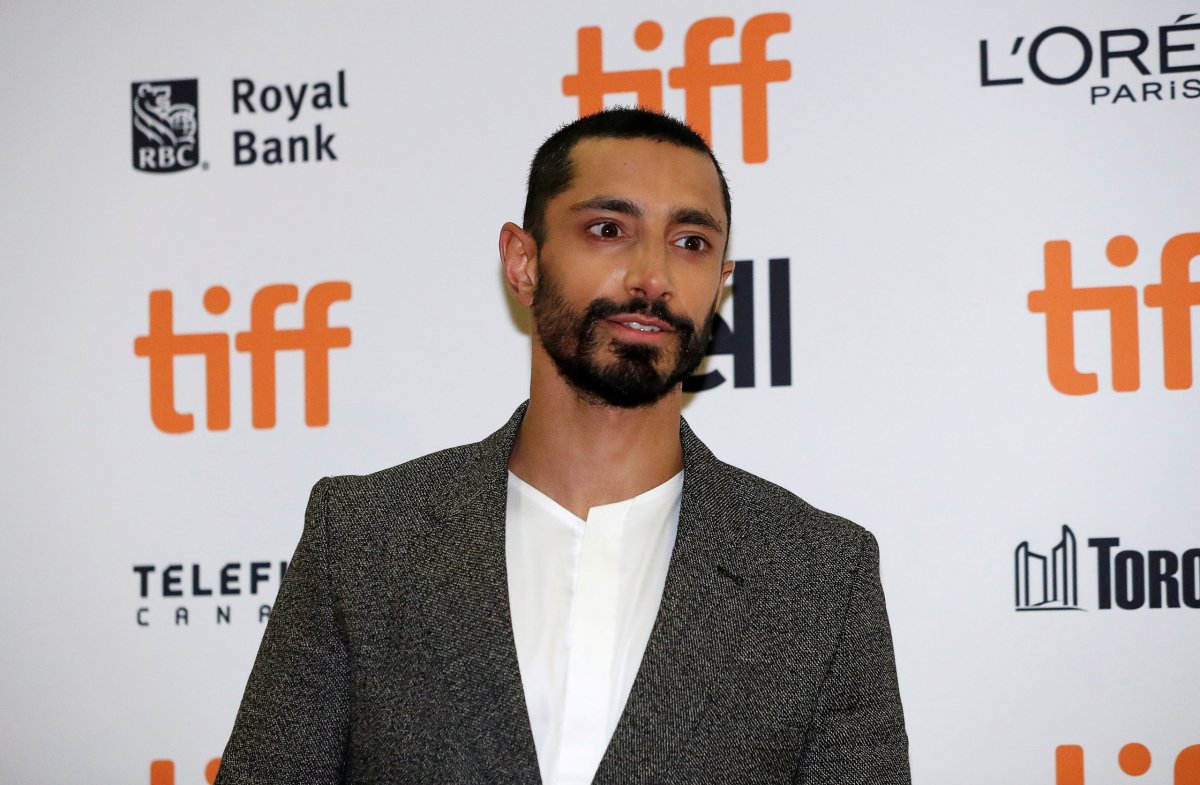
[609, 230]
[692, 242]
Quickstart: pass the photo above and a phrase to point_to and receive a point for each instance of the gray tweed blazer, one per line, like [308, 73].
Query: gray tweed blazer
[389, 655]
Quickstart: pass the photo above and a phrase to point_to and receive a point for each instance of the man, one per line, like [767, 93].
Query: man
[587, 594]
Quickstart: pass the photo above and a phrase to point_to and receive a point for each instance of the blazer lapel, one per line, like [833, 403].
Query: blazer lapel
[702, 608]
[477, 635]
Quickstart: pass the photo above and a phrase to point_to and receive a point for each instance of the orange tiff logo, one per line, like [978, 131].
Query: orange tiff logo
[696, 77]
[1133, 759]
[162, 772]
[1174, 296]
[161, 345]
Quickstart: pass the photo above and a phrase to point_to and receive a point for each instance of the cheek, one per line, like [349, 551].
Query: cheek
[582, 280]
[703, 290]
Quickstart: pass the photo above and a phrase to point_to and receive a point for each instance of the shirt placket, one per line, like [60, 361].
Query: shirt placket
[592, 644]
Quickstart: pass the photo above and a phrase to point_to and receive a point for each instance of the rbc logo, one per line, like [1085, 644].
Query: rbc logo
[262, 341]
[166, 125]
[696, 77]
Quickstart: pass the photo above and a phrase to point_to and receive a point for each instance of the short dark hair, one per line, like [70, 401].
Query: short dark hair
[552, 170]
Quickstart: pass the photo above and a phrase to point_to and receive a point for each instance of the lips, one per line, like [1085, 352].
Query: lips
[636, 321]
[642, 323]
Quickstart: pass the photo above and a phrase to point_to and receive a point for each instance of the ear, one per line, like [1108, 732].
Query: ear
[518, 257]
[726, 269]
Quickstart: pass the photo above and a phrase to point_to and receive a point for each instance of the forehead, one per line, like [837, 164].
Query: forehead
[652, 173]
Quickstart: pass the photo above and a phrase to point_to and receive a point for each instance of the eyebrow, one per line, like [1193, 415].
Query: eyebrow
[696, 217]
[682, 215]
[611, 204]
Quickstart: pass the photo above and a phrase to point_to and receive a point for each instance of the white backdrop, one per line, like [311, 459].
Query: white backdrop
[912, 202]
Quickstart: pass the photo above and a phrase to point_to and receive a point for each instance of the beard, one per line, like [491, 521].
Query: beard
[635, 375]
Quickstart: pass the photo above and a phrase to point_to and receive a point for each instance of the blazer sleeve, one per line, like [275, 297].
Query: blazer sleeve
[292, 723]
[857, 734]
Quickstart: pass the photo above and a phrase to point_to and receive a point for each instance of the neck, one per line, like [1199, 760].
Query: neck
[582, 454]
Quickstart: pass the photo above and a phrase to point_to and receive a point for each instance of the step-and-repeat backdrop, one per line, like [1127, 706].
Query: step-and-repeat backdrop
[248, 245]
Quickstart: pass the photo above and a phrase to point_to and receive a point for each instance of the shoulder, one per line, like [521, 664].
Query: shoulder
[788, 529]
[421, 485]
[767, 517]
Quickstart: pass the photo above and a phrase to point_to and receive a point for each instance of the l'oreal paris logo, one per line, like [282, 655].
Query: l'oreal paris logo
[1125, 65]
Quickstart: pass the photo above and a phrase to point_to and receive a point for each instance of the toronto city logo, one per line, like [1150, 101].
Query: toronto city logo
[1064, 55]
[166, 125]
[697, 76]
[1174, 296]
[1048, 583]
[162, 345]
[1127, 579]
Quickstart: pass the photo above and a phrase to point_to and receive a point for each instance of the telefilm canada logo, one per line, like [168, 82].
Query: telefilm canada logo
[1127, 579]
[1125, 65]
[178, 594]
[166, 125]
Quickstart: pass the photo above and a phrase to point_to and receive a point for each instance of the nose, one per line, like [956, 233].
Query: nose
[648, 275]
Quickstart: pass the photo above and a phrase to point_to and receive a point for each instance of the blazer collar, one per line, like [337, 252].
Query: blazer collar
[704, 515]
[702, 605]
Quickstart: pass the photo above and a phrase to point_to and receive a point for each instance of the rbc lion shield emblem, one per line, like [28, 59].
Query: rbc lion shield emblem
[166, 125]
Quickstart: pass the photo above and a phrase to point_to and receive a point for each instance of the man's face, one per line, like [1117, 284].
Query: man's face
[630, 269]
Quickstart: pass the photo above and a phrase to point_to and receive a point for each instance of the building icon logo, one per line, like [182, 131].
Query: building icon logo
[1047, 583]
[166, 125]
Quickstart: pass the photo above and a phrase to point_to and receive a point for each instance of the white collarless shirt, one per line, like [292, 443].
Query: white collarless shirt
[584, 596]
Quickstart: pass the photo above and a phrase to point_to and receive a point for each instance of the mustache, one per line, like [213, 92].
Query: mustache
[603, 308]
